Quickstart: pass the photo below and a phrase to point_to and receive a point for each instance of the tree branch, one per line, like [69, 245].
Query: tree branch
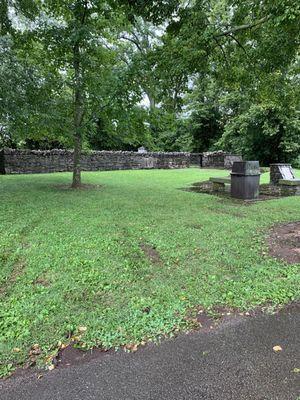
[137, 44]
[85, 8]
[222, 50]
[239, 44]
[243, 27]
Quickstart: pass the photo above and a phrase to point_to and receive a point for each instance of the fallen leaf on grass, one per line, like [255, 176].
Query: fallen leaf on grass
[16, 350]
[82, 329]
[75, 338]
[132, 347]
[35, 350]
[277, 348]
[49, 359]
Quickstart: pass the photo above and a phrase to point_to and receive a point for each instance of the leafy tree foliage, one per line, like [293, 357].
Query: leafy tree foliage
[169, 75]
[249, 54]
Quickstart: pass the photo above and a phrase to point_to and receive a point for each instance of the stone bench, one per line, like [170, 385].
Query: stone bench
[219, 183]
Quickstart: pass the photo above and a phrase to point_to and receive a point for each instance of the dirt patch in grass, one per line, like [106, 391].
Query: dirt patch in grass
[151, 253]
[284, 242]
[205, 321]
[16, 272]
[72, 356]
[42, 281]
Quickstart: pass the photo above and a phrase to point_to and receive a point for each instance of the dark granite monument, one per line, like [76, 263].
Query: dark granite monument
[245, 177]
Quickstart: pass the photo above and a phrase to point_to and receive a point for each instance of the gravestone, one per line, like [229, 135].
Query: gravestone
[280, 171]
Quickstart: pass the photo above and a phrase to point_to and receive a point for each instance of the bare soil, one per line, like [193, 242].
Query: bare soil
[73, 356]
[151, 253]
[284, 242]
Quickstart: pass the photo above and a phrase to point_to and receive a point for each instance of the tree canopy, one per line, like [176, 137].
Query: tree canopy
[169, 75]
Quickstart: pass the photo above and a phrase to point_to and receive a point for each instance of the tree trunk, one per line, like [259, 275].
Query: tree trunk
[152, 103]
[76, 183]
[78, 116]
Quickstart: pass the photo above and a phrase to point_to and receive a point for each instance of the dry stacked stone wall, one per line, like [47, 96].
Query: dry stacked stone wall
[14, 161]
[219, 159]
[36, 161]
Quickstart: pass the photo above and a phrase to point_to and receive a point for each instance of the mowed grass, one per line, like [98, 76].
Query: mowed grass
[71, 259]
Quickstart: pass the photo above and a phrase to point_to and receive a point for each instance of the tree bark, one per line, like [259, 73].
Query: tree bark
[78, 115]
[152, 103]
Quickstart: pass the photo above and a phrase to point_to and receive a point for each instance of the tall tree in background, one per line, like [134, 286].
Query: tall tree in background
[71, 32]
[217, 74]
[249, 50]
[75, 35]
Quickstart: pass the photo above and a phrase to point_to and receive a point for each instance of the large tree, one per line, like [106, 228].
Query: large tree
[72, 34]
[68, 40]
[75, 36]
[248, 50]
[207, 68]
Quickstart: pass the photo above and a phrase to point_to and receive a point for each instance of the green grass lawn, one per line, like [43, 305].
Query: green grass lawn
[71, 259]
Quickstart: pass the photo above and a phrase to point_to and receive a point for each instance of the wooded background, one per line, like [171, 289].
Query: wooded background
[169, 75]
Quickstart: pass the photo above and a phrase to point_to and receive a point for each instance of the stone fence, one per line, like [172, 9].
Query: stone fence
[219, 159]
[45, 161]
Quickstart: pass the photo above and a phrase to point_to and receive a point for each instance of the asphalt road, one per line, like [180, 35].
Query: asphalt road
[235, 361]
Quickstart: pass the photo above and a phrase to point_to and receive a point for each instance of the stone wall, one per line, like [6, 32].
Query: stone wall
[37, 161]
[219, 159]
[45, 161]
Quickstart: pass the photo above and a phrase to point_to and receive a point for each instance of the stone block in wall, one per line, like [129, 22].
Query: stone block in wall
[229, 159]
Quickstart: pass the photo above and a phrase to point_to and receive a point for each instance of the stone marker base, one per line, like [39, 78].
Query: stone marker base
[280, 190]
[266, 191]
